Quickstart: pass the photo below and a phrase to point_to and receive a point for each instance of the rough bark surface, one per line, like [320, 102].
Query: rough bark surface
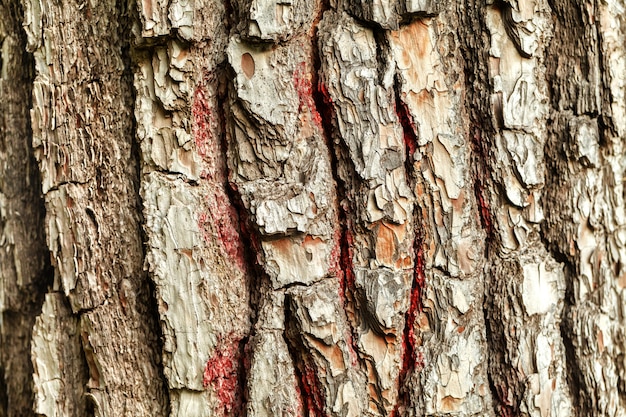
[24, 262]
[83, 140]
[313, 208]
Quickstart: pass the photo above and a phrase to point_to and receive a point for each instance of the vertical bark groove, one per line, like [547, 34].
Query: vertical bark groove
[24, 264]
[586, 137]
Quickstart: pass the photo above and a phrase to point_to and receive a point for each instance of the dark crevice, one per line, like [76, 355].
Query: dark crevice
[570, 18]
[574, 374]
[242, 375]
[474, 42]
[347, 286]
[229, 15]
[510, 25]
[147, 288]
[605, 120]
[249, 234]
[502, 382]
[256, 279]
[383, 55]
[4, 399]
[57, 186]
[573, 371]
[411, 359]
[1, 58]
[22, 187]
[342, 266]
[311, 396]
[296, 285]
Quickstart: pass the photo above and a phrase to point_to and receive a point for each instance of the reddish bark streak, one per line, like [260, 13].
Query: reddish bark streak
[408, 126]
[485, 215]
[346, 286]
[335, 257]
[222, 374]
[411, 359]
[222, 216]
[322, 90]
[479, 190]
[346, 273]
[341, 267]
[203, 118]
[304, 87]
[313, 398]
[505, 406]
[325, 103]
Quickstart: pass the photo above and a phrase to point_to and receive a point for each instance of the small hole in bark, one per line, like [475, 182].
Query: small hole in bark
[247, 65]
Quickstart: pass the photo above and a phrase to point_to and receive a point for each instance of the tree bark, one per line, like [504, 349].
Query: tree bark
[24, 262]
[312, 208]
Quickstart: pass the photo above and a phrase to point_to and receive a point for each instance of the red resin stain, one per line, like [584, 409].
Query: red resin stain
[411, 359]
[347, 243]
[299, 410]
[304, 88]
[325, 104]
[341, 264]
[483, 207]
[323, 91]
[335, 254]
[325, 100]
[343, 269]
[313, 397]
[479, 189]
[341, 261]
[408, 126]
[221, 217]
[222, 375]
[203, 118]
[506, 407]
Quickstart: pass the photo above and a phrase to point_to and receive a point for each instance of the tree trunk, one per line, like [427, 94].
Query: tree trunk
[313, 208]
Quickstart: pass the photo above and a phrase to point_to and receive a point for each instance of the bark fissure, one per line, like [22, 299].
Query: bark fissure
[309, 392]
[25, 270]
[342, 260]
[412, 359]
[586, 135]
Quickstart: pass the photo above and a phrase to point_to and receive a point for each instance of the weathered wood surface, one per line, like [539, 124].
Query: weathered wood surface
[313, 208]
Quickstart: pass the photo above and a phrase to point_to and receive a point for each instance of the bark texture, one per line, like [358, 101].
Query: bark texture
[24, 261]
[313, 208]
[83, 140]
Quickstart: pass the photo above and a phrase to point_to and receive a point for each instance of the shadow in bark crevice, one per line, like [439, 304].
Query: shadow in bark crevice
[130, 14]
[24, 243]
[311, 397]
